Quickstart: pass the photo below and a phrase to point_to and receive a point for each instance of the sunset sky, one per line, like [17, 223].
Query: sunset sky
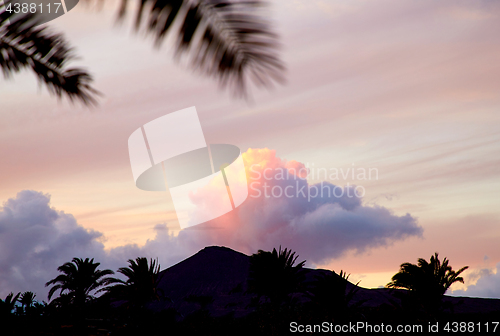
[409, 88]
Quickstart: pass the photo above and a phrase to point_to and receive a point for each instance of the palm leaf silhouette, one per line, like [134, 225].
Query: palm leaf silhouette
[427, 281]
[7, 305]
[229, 40]
[27, 299]
[141, 284]
[330, 297]
[79, 279]
[275, 275]
[24, 45]
[432, 277]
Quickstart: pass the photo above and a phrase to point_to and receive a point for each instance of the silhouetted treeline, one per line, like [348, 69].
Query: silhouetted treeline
[279, 290]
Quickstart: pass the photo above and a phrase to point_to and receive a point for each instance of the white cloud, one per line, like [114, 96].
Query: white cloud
[487, 286]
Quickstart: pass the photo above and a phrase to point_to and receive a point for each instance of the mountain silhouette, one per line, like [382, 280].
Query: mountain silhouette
[215, 279]
[216, 272]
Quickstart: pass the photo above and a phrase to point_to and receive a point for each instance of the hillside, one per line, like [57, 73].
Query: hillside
[220, 273]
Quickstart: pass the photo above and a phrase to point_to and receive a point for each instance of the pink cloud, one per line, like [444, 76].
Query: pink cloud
[321, 221]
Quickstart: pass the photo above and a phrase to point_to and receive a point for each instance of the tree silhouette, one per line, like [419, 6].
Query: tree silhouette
[274, 274]
[329, 294]
[427, 281]
[230, 40]
[141, 284]
[7, 305]
[79, 279]
[27, 300]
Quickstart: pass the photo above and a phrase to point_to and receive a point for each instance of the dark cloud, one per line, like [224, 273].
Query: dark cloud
[35, 239]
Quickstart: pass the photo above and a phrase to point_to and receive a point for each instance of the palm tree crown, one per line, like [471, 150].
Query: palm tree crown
[79, 279]
[431, 279]
[330, 295]
[274, 275]
[27, 299]
[141, 284]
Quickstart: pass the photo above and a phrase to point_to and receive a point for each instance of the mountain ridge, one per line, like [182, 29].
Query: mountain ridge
[215, 278]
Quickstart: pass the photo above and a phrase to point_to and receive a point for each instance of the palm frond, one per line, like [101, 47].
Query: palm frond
[24, 45]
[433, 277]
[230, 40]
[80, 278]
[7, 305]
[12, 299]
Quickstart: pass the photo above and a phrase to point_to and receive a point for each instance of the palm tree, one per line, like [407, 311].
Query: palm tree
[79, 279]
[226, 39]
[428, 281]
[141, 284]
[7, 305]
[330, 296]
[27, 300]
[274, 274]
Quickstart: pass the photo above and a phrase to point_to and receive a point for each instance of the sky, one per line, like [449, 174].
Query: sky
[408, 89]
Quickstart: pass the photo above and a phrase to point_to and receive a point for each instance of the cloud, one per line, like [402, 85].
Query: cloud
[320, 222]
[35, 239]
[487, 285]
